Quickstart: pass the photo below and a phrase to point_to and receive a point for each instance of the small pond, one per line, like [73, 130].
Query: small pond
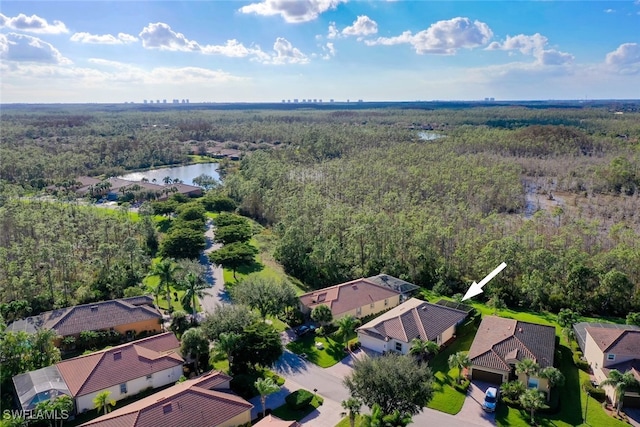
[183, 173]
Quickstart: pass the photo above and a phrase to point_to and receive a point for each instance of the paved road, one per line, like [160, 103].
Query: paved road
[303, 374]
[216, 294]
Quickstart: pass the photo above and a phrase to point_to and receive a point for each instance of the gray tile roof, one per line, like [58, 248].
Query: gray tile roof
[581, 332]
[413, 319]
[499, 339]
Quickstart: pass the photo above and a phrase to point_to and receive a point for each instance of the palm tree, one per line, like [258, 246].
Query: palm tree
[166, 271]
[265, 387]
[396, 419]
[322, 314]
[553, 376]
[375, 419]
[227, 344]
[532, 400]
[195, 343]
[421, 349]
[103, 402]
[346, 325]
[167, 180]
[194, 287]
[352, 406]
[461, 361]
[527, 367]
[620, 383]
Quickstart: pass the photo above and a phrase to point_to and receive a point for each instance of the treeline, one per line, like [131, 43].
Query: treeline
[443, 213]
[60, 254]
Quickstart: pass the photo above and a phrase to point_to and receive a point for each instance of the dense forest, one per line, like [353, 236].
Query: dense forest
[553, 192]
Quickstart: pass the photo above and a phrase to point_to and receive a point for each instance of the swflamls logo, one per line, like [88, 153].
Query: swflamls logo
[35, 414]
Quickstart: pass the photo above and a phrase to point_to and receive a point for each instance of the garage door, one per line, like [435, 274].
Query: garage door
[631, 400]
[486, 376]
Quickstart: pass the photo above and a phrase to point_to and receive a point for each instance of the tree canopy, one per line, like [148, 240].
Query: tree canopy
[265, 294]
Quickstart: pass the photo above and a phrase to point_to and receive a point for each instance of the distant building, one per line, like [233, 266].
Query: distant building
[145, 101]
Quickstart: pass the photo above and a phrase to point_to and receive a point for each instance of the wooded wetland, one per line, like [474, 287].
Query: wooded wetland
[346, 193]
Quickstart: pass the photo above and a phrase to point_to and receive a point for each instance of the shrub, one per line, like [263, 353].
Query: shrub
[299, 399]
[243, 385]
[353, 346]
[580, 362]
[275, 377]
[596, 392]
[462, 387]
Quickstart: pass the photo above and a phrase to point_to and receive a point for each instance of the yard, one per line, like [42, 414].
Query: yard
[285, 412]
[331, 353]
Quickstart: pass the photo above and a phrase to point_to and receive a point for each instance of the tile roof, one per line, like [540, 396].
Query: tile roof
[581, 330]
[616, 341]
[273, 421]
[500, 340]
[347, 296]
[117, 365]
[188, 404]
[413, 319]
[94, 316]
[632, 366]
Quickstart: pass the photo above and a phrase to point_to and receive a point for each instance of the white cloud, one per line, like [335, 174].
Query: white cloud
[442, 37]
[23, 48]
[609, 10]
[534, 45]
[32, 24]
[121, 38]
[332, 32]
[363, 26]
[293, 11]
[285, 53]
[625, 59]
[161, 36]
[329, 50]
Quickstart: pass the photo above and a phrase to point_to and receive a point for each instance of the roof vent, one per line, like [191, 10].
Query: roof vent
[166, 408]
[355, 287]
[424, 308]
[520, 330]
[94, 308]
[117, 355]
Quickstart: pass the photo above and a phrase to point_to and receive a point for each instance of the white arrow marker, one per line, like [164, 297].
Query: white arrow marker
[476, 288]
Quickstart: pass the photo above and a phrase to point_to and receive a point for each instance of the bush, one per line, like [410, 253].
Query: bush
[595, 392]
[580, 362]
[275, 377]
[243, 386]
[299, 399]
[511, 391]
[353, 346]
[463, 387]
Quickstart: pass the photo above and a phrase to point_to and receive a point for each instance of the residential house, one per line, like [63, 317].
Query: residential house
[273, 421]
[607, 347]
[128, 316]
[124, 370]
[205, 401]
[178, 187]
[394, 330]
[358, 298]
[500, 343]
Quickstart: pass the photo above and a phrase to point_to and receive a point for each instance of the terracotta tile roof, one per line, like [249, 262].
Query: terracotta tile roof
[273, 421]
[413, 319]
[117, 365]
[499, 340]
[186, 404]
[95, 316]
[616, 341]
[347, 296]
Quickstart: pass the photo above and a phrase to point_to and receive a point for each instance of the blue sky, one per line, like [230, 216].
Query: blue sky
[269, 50]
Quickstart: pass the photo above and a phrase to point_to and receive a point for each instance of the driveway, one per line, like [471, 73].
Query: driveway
[215, 294]
[472, 408]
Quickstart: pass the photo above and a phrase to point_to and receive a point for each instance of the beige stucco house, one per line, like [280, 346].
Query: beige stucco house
[358, 298]
[607, 347]
[501, 343]
[394, 330]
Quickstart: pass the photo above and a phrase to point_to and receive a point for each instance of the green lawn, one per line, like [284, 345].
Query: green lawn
[332, 353]
[284, 412]
[446, 398]
[196, 158]
[345, 421]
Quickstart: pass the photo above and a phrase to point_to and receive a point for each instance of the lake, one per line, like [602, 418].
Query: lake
[183, 173]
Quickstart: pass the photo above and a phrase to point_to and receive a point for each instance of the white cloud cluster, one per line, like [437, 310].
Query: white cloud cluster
[443, 37]
[23, 48]
[121, 38]
[534, 45]
[32, 24]
[362, 26]
[161, 36]
[625, 59]
[286, 53]
[293, 11]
